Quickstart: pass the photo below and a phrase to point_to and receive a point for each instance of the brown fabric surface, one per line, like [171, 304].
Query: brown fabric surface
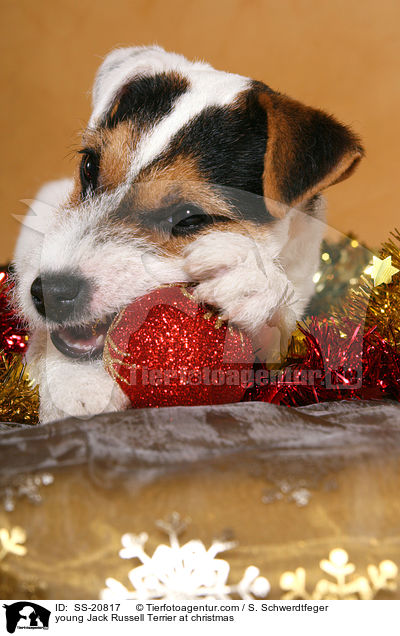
[232, 469]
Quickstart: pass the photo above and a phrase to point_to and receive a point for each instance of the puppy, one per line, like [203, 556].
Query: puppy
[186, 173]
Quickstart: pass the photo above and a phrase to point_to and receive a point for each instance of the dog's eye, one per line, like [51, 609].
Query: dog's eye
[89, 170]
[188, 219]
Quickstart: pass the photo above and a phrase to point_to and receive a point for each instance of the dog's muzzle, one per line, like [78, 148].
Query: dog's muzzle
[62, 298]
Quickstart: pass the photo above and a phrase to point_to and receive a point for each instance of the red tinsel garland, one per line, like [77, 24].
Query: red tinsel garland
[13, 336]
[335, 367]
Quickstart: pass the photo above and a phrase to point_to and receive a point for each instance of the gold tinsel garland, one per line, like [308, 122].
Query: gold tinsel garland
[342, 262]
[19, 398]
[378, 306]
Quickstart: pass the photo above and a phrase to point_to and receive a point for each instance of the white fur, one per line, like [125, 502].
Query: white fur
[208, 87]
[68, 388]
[122, 269]
[124, 64]
[29, 247]
[255, 280]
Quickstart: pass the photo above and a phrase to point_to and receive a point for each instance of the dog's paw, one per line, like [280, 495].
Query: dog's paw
[77, 390]
[215, 253]
[231, 274]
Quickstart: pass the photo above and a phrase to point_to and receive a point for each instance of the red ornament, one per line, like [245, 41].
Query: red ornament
[165, 349]
[13, 335]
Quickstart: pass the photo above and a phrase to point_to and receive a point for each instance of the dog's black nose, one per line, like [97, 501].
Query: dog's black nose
[59, 297]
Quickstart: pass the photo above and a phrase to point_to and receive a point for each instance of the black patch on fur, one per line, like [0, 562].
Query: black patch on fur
[146, 99]
[311, 205]
[228, 144]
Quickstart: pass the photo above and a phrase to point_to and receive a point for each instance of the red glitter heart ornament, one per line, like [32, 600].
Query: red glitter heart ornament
[165, 349]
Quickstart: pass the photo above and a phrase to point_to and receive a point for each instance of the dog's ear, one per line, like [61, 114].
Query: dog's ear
[307, 151]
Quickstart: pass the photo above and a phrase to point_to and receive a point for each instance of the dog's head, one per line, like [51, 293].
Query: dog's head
[173, 150]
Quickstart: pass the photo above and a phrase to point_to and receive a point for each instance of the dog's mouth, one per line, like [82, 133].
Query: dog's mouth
[82, 343]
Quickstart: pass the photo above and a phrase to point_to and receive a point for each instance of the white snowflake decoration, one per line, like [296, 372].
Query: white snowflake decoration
[175, 571]
[346, 584]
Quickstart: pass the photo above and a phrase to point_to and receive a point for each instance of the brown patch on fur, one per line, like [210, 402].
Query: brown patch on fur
[163, 185]
[118, 145]
[174, 246]
[277, 133]
[114, 108]
[158, 186]
[74, 198]
[179, 180]
[114, 147]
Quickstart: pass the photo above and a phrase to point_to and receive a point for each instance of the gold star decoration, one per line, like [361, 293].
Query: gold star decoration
[381, 270]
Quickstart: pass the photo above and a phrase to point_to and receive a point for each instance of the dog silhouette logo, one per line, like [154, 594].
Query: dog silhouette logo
[26, 615]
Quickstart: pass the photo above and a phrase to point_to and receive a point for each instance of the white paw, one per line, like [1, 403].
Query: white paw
[246, 285]
[78, 390]
[69, 388]
[216, 252]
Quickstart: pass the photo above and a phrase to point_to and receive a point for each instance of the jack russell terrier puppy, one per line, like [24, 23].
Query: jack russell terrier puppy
[185, 173]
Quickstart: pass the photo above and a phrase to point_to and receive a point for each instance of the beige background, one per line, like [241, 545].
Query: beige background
[341, 55]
